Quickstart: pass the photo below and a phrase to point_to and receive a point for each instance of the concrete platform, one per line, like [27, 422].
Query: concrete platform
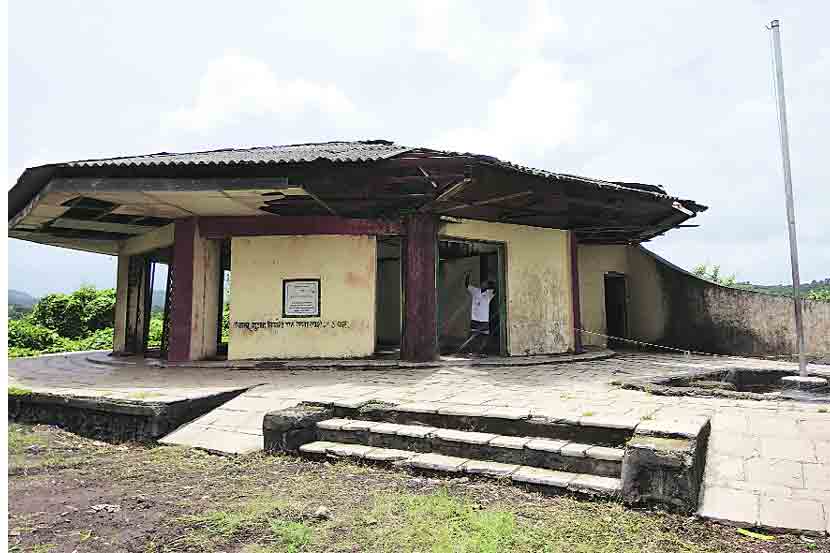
[763, 455]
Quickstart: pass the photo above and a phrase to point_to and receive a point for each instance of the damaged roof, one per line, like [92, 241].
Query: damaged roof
[111, 199]
[343, 152]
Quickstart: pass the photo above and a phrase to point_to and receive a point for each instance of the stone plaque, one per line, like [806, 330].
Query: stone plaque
[301, 297]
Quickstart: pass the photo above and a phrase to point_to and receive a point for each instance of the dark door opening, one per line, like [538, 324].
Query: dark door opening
[616, 308]
[389, 297]
[482, 261]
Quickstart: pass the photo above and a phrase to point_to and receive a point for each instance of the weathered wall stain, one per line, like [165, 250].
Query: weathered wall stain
[538, 283]
[672, 307]
[345, 266]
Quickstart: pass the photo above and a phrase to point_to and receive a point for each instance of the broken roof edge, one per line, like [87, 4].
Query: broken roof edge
[34, 179]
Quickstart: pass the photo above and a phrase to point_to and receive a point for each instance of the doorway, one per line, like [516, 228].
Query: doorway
[616, 307]
[389, 297]
[482, 261]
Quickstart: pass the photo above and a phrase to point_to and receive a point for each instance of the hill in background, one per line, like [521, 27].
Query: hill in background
[22, 299]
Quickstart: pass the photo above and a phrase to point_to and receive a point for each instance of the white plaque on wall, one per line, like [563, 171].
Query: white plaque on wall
[301, 297]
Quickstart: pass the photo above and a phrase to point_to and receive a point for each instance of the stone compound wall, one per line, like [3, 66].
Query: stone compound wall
[708, 317]
[670, 306]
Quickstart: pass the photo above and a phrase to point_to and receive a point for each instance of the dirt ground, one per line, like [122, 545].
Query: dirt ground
[71, 494]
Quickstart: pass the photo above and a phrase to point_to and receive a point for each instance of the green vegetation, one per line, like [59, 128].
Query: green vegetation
[267, 503]
[818, 290]
[80, 321]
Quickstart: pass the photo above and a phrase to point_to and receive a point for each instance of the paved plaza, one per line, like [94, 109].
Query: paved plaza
[768, 462]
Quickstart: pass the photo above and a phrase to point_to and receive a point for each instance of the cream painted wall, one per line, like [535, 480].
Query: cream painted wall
[647, 298]
[538, 282]
[346, 267]
[594, 262]
[647, 311]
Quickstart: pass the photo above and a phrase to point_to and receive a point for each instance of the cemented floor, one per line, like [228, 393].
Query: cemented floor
[768, 462]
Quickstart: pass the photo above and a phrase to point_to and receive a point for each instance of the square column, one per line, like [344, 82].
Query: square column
[132, 304]
[195, 288]
[419, 340]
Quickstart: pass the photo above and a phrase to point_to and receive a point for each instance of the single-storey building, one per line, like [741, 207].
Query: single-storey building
[346, 249]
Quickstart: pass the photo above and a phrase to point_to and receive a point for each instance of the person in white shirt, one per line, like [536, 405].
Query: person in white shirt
[479, 314]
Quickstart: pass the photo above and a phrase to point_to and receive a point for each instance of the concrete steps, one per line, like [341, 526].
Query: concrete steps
[561, 455]
[562, 480]
[644, 462]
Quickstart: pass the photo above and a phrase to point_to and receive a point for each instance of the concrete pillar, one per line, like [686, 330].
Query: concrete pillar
[419, 341]
[575, 300]
[119, 335]
[132, 304]
[196, 283]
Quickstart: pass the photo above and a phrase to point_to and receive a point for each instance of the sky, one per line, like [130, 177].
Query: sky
[671, 93]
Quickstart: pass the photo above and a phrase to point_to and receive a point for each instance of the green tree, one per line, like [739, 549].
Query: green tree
[62, 313]
[713, 275]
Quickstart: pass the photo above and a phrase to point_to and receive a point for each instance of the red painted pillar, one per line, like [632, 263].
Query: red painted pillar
[577, 310]
[181, 308]
[419, 341]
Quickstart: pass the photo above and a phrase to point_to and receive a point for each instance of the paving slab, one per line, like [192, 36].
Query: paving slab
[789, 514]
[743, 447]
[544, 477]
[730, 505]
[490, 468]
[434, 461]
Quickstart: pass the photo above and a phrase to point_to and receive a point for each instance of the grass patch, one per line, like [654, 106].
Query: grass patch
[19, 391]
[439, 522]
[442, 523]
[266, 521]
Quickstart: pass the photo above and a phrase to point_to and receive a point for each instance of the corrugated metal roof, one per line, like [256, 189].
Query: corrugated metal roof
[357, 151]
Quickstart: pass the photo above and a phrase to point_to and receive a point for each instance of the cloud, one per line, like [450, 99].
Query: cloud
[467, 35]
[539, 110]
[235, 86]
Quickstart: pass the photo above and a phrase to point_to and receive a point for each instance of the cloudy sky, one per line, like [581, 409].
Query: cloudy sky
[672, 93]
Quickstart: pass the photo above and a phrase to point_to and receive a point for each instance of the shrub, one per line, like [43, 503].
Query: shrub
[100, 339]
[156, 329]
[24, 334]
[61, 313]
[99, 312]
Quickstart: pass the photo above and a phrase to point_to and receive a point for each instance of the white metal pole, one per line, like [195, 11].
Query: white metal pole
[788, 188]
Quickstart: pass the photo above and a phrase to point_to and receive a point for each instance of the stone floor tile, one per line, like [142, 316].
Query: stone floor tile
[355, 451]
[434, 461]
[734, 445]
[593, 483]
[775, 472]
[723, 469]
[388, 454]
[605, 453]
[549, 446]
[817, 477]
[787, 448]
[544, 477]
[474, 438]
[574, 449]
[730, 505]
[415, 431]
[790, 514]
[489, 468]
[333, 424]
[509, 442]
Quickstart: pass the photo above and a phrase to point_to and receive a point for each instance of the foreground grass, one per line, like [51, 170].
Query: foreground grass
[174, 500]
